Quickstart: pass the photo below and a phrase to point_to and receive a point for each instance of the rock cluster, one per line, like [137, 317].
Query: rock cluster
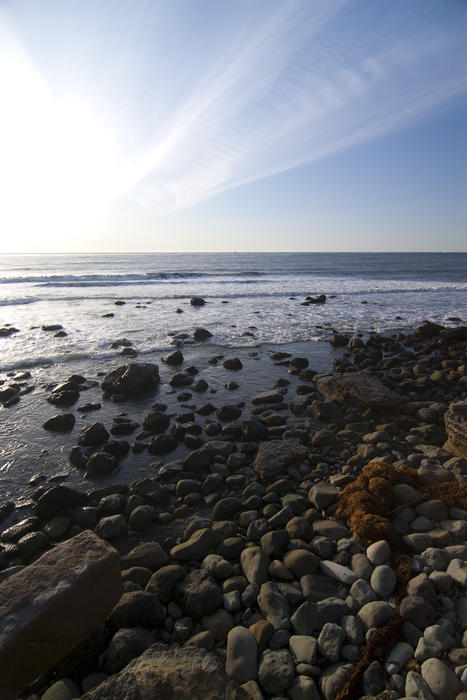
[314, 547]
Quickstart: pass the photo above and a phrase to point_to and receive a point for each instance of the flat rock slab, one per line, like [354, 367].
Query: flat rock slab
[184, 674]
[275, 456]
[53, 605]
[357, 387]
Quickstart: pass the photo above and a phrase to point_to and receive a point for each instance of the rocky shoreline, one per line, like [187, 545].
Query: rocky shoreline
[306, 545]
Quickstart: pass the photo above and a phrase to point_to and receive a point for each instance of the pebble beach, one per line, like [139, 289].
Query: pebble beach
[304, 538]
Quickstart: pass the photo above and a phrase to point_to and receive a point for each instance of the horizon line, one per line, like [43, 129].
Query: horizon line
[242, 252]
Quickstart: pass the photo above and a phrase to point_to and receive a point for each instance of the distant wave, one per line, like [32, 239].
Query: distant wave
[121, 278]
[18, 302]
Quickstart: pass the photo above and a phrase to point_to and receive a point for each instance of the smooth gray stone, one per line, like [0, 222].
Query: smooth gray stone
[310, 617]
[274, 606]
[333, 679]
[276, 671]
[458, 570]
[303, 648]
[303, 688]
[417, 687]
[354, 629]
[378, 552]
[255, 565]
[376, 613]
[362, 592]
[330, 641]
[383, 580]
[441, 680]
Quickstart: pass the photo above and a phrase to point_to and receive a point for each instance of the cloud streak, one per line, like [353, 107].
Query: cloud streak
[302, 88]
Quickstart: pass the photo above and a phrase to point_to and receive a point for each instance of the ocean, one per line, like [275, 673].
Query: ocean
[254, 304]
[252, 298]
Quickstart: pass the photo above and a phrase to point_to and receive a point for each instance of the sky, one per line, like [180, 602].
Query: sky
[251, 125]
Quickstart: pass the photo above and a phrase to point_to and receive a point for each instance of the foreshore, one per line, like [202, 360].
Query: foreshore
[269, 514]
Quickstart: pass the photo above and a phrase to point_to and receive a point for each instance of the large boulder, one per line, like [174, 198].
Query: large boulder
[186, 674]
[134, 379]
[455, 420]
[359, 388]
[275, 456]
[51, 606]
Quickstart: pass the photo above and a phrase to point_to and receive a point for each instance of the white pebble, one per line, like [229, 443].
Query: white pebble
[337, 571]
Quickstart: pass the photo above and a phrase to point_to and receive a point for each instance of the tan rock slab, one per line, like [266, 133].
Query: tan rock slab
[168, 674]
[357, 387]
[51, 606]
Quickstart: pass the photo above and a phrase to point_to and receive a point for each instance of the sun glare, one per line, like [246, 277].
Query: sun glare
[60, 164]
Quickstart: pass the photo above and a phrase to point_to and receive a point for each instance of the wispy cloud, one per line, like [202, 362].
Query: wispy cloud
[300, 88]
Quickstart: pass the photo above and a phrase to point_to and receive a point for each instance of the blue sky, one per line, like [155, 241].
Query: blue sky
[245, 125]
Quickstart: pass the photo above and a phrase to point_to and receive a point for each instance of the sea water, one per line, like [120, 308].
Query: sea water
[251, 298]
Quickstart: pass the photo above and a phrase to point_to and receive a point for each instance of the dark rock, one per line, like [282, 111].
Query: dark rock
[338, 340]
[233, 363]
[228, 412]
[124, 427]
[275, 456]
[52, 327]
[61, 423]
[199, 385]
[117, 448]
[93, 435]
[201, 334]
[149, 555]
[226, 508]
[59, 498]
[254, 430]
[173, 358]
[198, 593]
[79, 456]
[180, 379]
[299, 362]
[89, 407]
[163, 581]
[137, 609]
[120, 343]
[156, 422]
[206, 409]
[7, 331]
[199, 459]
[132, 380]
[125, 645]
[428, 329]
[100, 463]
[162, 445]
[321, 299]
[63, 398]
[197, 301]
